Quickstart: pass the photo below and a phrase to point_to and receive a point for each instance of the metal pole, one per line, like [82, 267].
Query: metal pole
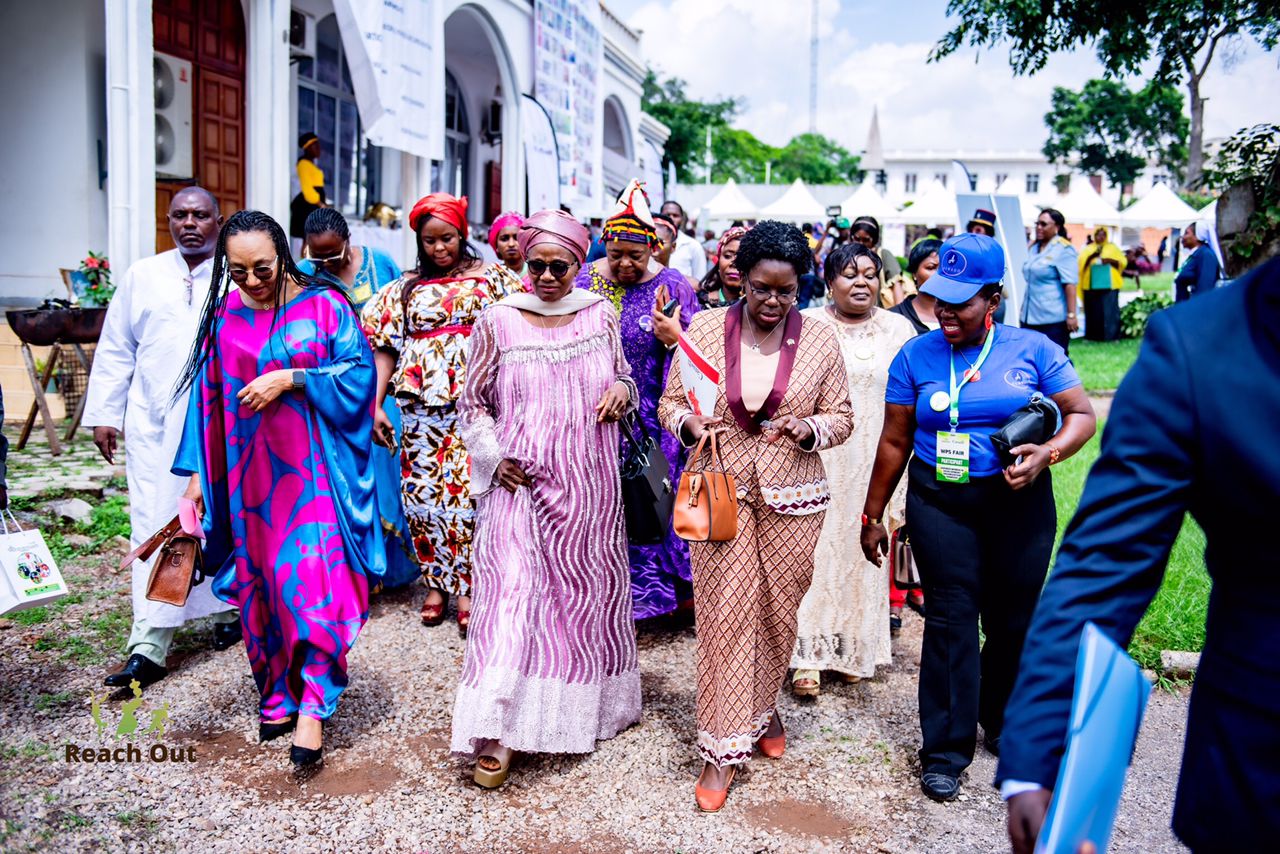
[813, 68]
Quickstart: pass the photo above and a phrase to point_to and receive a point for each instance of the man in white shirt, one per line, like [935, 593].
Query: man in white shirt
[688, 257]
[147, 337]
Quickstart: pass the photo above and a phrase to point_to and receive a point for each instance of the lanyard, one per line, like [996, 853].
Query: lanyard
[969, 374]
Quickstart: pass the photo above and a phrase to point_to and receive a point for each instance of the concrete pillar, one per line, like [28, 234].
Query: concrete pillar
[131, 133]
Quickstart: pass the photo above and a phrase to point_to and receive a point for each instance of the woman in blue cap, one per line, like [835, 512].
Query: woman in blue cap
[981, 531]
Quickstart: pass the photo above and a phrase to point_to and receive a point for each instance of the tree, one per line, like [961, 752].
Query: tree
[815, 159]
[1108, 128]
[1182, 35]
[737, 154]
[688, 120]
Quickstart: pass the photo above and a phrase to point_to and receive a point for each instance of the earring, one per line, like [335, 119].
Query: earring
[990, 320]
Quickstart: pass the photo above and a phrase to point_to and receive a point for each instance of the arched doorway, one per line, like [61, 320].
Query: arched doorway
[619, 155]
[483, 155]
[210, 34]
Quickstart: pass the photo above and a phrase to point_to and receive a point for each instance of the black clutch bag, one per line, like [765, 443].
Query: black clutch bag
[647, 495]
[1033, 424]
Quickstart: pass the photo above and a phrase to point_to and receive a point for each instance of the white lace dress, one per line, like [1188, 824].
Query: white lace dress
[844, 618]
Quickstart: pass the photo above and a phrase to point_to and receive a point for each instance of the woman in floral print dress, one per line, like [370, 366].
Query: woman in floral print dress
[419, 326]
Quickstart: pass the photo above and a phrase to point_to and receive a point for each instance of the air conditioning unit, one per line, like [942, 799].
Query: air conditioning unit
[302, 35]
[173, 98]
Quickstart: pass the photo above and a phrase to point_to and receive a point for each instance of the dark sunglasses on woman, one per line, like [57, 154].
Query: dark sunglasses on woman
[558, 268]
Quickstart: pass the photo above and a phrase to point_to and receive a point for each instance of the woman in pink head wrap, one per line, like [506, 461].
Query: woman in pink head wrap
[551, 655]
[502, 237]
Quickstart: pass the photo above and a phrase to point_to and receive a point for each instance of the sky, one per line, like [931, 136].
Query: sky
[873, 53]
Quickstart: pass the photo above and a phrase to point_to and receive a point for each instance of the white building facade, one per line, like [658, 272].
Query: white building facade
[92, 165]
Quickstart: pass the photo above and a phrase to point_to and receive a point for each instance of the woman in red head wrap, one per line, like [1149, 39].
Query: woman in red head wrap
[419, 326]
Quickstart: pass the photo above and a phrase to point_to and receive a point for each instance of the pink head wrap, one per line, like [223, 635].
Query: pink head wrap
[506, 220]
[557, 228]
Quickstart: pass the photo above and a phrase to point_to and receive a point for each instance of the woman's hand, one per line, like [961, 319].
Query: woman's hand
[383, 433]
[1035, 459]
[194, 492]
[1073, 324]
[790, 427]
[875, 541]
[696, 426]
[613, 404]
[665, 329]
[266, 388]
[510, 476]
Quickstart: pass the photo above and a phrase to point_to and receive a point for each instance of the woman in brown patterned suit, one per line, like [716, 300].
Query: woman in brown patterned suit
[783, 396]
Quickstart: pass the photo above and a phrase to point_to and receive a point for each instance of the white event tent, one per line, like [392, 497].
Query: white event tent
[1084, 206]
[1159, 208]
[728, 204]
[797, 204]
[935, 206]
[867, 201]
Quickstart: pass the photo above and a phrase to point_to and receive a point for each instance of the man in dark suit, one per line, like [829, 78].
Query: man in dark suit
[1194, 427]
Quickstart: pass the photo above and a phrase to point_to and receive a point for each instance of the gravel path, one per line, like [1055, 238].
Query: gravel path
[848, 782]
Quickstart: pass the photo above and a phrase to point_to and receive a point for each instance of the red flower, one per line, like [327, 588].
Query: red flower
[105, 265]
[413, 376]
[91, 262]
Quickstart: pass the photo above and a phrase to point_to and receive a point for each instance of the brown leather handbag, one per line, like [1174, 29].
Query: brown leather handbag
[178, 567]
[707, 501]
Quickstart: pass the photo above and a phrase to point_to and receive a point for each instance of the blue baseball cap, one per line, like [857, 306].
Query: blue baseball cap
[966, 262]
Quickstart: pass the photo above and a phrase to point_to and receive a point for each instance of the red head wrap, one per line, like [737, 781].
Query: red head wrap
[451, 209]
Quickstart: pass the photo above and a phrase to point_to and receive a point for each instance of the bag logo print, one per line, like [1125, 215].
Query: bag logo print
[32, 567]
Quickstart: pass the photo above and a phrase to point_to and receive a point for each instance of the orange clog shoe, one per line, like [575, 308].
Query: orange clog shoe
[712, 800]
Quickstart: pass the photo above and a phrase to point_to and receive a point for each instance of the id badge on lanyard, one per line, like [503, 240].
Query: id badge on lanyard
[953, 447]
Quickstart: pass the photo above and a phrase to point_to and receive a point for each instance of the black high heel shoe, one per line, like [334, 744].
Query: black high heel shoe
[305, 758]
[271, 731]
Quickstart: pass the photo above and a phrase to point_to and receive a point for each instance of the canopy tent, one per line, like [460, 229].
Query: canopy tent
[797, 204]
[728, 204]
[1084, 206]
[1159, 208]
[935, 206]
[1209, 213]
[867, 201]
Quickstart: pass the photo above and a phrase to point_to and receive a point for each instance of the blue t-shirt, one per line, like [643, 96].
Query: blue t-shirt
[1020, 363]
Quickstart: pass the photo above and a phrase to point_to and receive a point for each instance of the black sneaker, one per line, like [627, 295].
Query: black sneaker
[895, 623]
[940, 786]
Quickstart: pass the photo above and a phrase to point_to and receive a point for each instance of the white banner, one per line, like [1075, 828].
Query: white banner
[541, 161]
[397, 72]
[651, 169]
[568, 53]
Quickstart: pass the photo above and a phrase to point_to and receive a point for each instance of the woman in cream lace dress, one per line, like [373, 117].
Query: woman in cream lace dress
[844, 618]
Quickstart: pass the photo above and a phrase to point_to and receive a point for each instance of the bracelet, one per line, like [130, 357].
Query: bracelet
[867, 520]
[1071, 314]
[1054, 454]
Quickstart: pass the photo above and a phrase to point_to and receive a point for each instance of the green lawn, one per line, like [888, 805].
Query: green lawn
[1154, 282]
[1102, 364]
[1176, 617]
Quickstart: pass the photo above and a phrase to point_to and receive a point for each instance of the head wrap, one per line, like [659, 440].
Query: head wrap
[451, 209]
[631, 219]
[1203, 230]
[1105, 233]
[557, 228]
[506, 220]
[728, 237]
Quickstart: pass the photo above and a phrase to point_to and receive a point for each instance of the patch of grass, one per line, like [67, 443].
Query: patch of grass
[45, 702]
[1152, 283]
[1176, 617]
[1102, 364]
[93, 641]
[75, 821]
[109, 519]
[118, 481]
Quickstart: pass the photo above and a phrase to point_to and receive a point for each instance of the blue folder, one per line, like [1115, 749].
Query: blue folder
[1106, 713]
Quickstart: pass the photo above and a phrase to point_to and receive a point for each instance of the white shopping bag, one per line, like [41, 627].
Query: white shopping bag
[28, 574]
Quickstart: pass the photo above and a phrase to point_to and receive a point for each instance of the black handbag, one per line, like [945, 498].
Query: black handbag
[1034, 424]
[647, 494]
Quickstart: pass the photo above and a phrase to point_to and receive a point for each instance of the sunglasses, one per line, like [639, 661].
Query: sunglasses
[261, 272]
[558, 268]
[331, 259]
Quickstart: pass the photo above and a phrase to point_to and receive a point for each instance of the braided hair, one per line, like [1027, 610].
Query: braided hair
[242, 222]
[771, 240]
[326, 221]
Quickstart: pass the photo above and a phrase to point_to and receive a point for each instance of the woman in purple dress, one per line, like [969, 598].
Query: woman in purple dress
[278, 445]
[551, 655]
[638, 290]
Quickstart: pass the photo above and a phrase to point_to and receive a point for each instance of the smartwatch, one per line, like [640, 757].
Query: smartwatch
[299, 379]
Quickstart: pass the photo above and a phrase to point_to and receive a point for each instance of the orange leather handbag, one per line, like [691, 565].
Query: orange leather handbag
[707, 501]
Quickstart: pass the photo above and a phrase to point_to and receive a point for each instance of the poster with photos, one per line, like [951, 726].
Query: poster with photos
[568, 51]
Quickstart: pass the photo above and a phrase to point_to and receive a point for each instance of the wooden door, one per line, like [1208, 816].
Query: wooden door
[209, 34]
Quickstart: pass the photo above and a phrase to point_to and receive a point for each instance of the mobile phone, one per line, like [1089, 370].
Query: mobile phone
[670, 308]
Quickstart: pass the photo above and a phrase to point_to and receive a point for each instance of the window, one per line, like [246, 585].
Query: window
[327, 107]
[1001, 177]
[1033, 182]
[909, 182]
[1159, 179]
[940, 177]
[973, 182]
[455, 170]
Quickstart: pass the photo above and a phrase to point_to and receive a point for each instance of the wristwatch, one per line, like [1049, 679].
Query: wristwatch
[867, 520]
[299, 379]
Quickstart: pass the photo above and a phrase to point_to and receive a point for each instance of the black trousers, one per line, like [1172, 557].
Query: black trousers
[983, 551]
[1102, 315]
[1056, 332]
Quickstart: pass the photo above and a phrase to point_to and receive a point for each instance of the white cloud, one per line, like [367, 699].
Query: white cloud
[759, 51]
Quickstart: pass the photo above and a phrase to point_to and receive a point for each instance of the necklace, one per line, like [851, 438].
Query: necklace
[563, 320]
[846, 320]
[755, 342]
[973, 373]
